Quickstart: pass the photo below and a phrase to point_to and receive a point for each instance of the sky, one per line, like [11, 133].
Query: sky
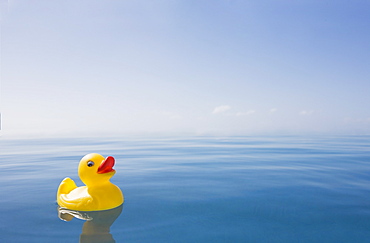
[221, 67]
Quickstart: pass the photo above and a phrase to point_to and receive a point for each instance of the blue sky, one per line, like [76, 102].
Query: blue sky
[219, 67]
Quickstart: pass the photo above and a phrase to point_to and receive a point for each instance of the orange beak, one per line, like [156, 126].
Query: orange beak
[106, 166]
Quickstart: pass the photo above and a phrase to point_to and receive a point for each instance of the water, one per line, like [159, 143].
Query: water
[196, 189]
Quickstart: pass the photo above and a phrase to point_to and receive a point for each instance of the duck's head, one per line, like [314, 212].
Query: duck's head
[94, 169]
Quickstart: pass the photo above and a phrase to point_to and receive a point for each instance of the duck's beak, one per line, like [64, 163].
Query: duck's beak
[106, 166]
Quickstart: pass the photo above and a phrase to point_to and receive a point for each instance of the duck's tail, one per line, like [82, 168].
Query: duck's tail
[66, 186]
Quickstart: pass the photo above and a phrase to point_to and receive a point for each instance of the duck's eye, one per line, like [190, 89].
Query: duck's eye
[90, 163]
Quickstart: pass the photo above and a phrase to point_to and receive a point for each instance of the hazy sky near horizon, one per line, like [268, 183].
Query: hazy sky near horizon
[174, 66]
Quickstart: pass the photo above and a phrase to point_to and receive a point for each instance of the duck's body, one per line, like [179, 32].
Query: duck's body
[98, 194]
[83, 198]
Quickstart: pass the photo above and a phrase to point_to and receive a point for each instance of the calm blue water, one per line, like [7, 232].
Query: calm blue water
[198, 189]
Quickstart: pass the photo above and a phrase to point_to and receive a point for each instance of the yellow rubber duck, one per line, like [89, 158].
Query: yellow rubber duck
[99, 193]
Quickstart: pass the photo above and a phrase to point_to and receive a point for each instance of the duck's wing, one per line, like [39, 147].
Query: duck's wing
[66, 186]
[78, 199]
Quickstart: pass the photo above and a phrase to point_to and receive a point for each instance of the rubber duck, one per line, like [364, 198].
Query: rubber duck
[99, 193]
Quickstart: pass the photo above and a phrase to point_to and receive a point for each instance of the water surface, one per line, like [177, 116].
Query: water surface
[195, 189]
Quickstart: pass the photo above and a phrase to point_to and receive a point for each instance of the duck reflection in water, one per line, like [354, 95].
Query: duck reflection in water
[97, 226]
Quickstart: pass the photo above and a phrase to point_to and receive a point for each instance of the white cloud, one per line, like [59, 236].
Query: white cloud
[306, 113]
[273, 110]
[221, 109]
